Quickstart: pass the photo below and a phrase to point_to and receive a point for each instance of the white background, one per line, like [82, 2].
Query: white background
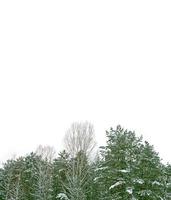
[107, 62]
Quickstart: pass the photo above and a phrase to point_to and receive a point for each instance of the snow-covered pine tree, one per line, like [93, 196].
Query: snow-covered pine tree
[12, 179]
[60, 167]
[93, 186]
[115, 173]
[150, 183]
[2, 189]
[29, 176]
[168, 181]
[7, 179]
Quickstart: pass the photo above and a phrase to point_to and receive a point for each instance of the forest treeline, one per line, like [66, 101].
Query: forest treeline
[126, 168]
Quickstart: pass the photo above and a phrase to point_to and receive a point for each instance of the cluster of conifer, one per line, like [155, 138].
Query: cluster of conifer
[126, 168]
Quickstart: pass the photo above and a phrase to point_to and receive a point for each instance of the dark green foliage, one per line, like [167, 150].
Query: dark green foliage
[60, 167]
[168, 180]
[28, 177]
[126, 169]
[150, 171]
[116, 170]
[129, 169]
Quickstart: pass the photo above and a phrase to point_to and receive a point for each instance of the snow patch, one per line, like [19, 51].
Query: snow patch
[116, 184]
[124, 170]
[140, 181]
[101, 168]
[62, 196]
[129, 190]
[155, 183]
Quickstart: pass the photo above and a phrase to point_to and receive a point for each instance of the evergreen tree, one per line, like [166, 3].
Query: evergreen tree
[12, 179]
[93, 186]
[29, 176]
[2, 189]
[150, 175]
[168, 181]
[60, 166]
[126, 168]
[116, 170]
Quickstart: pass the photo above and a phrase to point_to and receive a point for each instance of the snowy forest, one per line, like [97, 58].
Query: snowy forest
[126, 168]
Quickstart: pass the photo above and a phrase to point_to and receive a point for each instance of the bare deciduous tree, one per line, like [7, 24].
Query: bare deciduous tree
[79, 143]
[46, 152]
[80, 138]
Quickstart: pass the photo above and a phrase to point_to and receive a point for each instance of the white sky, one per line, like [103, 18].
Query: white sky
[107, 62]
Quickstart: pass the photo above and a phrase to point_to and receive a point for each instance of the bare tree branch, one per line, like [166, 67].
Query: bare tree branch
[80, 138]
